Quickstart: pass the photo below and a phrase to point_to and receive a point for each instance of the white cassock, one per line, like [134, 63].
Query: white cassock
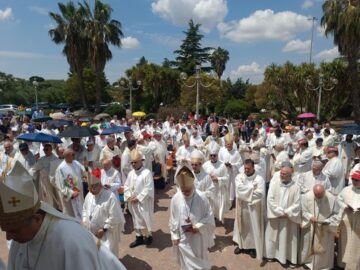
[249, 216]
[41, 172]
[103, 211]
[306, 181]
[221, 193]
[329, 141]
[346, 154]
[112, 178]
[349, 244]
[204, 184]
[334, 171]
[282, 233]
[183, 156]
[192, 251]
[317, 240]
[125, 163]
[302, 160]
[281, 157]
[159, 149]
[93, 156]
[107, 153]
[68, 177]
[140, 183]
[233, 157]
[27, 161]
[148, 154]
[74, 247]
[197, 142]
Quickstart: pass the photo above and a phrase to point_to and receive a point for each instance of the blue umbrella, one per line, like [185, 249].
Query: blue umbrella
[115, 129]
[353, 129]
[39, 137]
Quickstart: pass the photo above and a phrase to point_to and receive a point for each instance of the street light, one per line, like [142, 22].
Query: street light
[198, 82]
[321, 87]
[36, 83]
[130, 87]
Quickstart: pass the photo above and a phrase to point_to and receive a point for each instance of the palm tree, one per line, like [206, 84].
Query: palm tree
[101, 31]
[69, 31]
[342, 19]
[218, 59]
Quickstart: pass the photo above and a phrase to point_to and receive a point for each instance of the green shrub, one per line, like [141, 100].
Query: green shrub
[116, 109]
[237, 109]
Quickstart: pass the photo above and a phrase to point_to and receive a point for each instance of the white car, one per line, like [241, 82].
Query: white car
[6, 108]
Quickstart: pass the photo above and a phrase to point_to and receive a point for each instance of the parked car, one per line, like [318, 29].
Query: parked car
[6, 108]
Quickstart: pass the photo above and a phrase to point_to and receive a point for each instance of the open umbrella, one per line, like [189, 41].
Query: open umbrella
[41, 119]
[115, 129]
[39, 137]
[81, 113]
[306, 115]
[78, 132]
[102, 115]
[57, 115]
[59, 122]
[138, 114]
[353, 129]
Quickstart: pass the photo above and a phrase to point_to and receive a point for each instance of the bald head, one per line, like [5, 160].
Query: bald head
[69, 155]
[106, 164]
[319, 191]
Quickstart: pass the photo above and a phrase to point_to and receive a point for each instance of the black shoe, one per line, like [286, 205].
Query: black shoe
[237, 251]
[139, 241]
[148, 240]
[252, 253]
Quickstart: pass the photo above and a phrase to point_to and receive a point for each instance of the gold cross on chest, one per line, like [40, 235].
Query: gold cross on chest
[13, 201]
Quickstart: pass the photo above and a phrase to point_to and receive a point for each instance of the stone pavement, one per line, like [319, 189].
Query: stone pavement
[160, 255]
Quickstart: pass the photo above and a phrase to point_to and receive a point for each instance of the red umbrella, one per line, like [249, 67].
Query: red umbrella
[306, 115]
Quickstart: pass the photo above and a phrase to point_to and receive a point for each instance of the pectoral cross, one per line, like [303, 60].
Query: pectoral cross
[13, 201]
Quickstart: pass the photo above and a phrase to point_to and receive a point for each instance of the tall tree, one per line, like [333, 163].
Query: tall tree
[218, 59]
[342, 20]
[191, 53]
[101, 31]
[69, 31]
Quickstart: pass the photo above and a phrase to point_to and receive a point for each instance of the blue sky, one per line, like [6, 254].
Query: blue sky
[255, 32]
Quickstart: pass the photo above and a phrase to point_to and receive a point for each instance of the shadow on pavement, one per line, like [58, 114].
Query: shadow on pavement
[218, 268]
[161, 240]
[228, 225]
[134, 263]
[221, 242]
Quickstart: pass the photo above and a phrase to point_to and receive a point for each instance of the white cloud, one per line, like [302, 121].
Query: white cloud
[328, 55]
[39, 10]
[307, 4]
[320, 31]
[5, 14]
[297, 46]
[254, 72]
[23, 55]
[208, 13]
[265, 25]
[130, 43]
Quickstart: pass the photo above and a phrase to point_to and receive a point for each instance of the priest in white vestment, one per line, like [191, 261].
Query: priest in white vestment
[230, 156]
[317, 238]
[303, 157]
[6, 158]
[283, 213]
[41, 174]
[334, 170]
[308, 180]
[139, 193]
[249, 214]
[25, 157]
[111, 178]
[347, 153]
[191, 223]
[92, 153]
[68, 179]
[220, 177]
[102, 214]
[203, 180]
[110, 150]
[43, 238]
[349, 220]
[183, 154]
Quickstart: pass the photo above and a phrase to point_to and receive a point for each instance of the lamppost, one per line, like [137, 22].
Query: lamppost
[319, 88]
[198, 82]
[129, 82]
[36, 83]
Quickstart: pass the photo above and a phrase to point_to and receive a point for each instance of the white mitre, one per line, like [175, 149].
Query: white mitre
[213, 148]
